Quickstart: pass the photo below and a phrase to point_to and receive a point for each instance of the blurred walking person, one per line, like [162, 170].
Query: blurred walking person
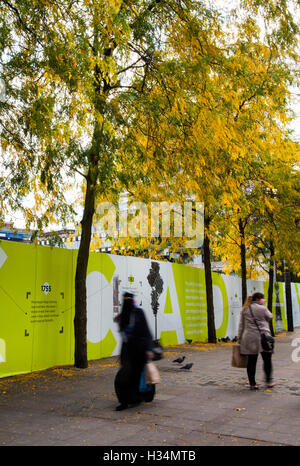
[137, 343]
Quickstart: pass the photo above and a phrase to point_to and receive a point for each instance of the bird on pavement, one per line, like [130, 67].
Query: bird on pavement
[180, 359]
[187, 366]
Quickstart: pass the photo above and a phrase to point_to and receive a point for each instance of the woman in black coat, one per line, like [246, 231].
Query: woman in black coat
[137, 343]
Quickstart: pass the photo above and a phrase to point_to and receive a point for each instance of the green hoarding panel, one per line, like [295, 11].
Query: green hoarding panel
[190, 288]
[37, 297]
[17, 288]
[52, 308]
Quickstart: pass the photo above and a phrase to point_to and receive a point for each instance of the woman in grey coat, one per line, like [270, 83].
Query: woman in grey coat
[249, 337]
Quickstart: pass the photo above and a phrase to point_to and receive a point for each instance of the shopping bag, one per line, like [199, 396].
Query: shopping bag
[144, 388]
[238, 359]
[151, 374]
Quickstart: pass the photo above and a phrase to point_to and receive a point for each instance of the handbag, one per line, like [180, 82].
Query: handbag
[151, 374]
[267, 341]
[238, 359]
[157, 350]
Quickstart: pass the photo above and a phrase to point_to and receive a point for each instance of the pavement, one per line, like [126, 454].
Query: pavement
[209, 405]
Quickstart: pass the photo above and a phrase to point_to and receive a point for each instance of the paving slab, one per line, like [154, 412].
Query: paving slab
[210, 405]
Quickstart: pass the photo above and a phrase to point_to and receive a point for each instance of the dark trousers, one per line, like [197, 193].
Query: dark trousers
[251, 367]
[128, 381]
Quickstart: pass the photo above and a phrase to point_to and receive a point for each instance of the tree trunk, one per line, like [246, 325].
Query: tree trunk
[288, 298]
[208, 281]
[80, 320]
[243, 260]
[271, 285]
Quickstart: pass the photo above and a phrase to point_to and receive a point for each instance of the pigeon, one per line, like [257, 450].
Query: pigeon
[235, 339]
[225, 339]
[189, 341]
[187, 366]
[179, 360]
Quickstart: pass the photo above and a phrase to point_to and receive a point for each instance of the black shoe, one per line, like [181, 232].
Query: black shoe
[121, 407]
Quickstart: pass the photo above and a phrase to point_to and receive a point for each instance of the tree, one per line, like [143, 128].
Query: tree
[80, 66]
[174, 111]
[211, 329]
[271, 283]
[261, 112]
[288, 294]
[156, 283]
[129, 95]
[219, 115]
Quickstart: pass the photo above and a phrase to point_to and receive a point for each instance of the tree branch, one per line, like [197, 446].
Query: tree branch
[16, 12]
